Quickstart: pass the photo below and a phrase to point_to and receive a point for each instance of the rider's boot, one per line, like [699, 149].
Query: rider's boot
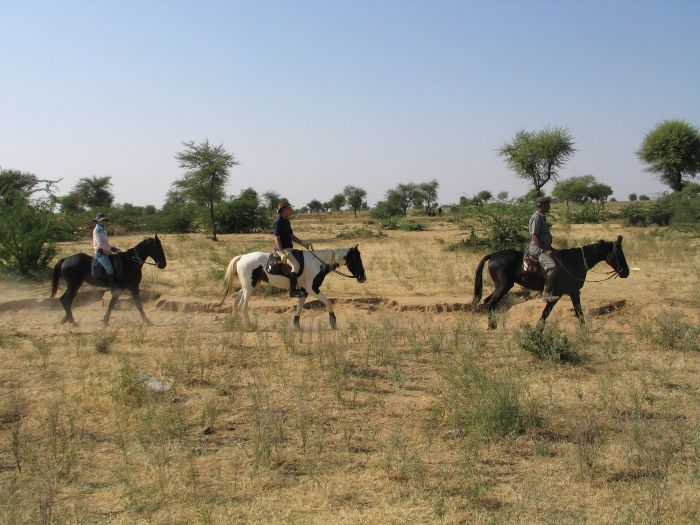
[293, 290]
[549, 279]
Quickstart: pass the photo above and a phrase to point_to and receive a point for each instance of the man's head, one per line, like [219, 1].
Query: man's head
[284, 210]
[543, 204]
[101, 218]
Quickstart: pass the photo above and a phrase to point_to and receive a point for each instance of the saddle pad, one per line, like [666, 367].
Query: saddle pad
[530, 264]
[275, 266]
[98, 272]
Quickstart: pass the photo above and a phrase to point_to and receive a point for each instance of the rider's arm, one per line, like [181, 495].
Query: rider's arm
[537, 242]
[298, 240]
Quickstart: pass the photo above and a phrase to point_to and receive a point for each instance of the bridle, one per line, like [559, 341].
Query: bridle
[139, 259]
[333, 268]
[610, 274]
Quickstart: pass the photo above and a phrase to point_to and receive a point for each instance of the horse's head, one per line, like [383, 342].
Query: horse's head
[353, 260]
[154, 249]
[616, 258]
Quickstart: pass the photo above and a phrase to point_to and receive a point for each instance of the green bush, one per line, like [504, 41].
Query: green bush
[28, 233]
[175, 219]
[496, 226]
[390, 223]
[635, 214]
[385, 210]
[412, 226]
[548, 343]
[242, 215]
[587, 214]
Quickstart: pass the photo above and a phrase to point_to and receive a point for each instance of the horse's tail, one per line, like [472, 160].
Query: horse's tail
[231, 273]
[479, 280]
[56, 277]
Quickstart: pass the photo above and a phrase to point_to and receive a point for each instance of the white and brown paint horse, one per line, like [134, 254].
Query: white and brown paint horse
[251, 269]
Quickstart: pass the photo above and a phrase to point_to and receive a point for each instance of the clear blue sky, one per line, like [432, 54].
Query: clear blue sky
[312, 96]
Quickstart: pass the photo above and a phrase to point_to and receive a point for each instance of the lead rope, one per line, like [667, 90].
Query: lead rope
[613, 273]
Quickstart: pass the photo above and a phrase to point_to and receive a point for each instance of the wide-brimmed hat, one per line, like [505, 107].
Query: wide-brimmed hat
[283, 205]
[542, 200]
[100, 217]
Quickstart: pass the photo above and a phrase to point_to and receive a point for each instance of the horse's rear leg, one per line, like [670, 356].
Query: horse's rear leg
[245, 298]
[237, 300]
[115, 295]
[493, 301]
[67, 303]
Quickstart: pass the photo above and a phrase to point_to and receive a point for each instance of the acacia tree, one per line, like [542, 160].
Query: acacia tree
[208, 171]
[405, 195]
[672, 152]
[271, 199]
[430, 193]
[537, 156]
[355, 197]
[89, 193]
[337, 201]
[315, 206]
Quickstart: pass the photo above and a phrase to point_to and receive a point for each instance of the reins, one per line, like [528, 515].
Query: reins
[611, 274]
[334, 270]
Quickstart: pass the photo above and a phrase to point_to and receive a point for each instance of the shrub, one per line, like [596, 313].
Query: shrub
[548, 343]
[496, 226]
[390, 223]
[635, 214]
[632, 197]
[27, 236]
[644, 198]
[241, 215]
[175, 219]
[588, 214]
[412, 226]
[680, 209]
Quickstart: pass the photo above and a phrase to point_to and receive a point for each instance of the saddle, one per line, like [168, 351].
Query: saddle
[275, 266]
[531, 264]
[98, 272]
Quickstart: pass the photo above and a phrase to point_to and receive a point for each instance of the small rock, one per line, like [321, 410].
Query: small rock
[208, 431]
[156, 385]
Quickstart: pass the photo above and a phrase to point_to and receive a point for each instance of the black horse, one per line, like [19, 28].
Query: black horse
[77, 268]
[506, 269]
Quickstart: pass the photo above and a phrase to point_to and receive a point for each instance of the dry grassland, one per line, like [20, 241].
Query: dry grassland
[410, 412]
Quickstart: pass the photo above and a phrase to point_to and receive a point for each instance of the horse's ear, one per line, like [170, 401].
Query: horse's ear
[356, 246]
[157, 239]
[619, 238]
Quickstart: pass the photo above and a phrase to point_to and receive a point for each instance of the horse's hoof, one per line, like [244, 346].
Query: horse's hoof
[332, 319]
[297, 323]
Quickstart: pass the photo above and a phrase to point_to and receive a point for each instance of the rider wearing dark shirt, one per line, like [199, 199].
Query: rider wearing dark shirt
[284, 239]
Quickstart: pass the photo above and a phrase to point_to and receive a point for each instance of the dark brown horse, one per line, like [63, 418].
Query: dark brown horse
[77, 268]
[506, 269]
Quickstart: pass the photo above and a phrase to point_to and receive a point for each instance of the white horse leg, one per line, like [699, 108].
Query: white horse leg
[237, 300]
[244, 301]
[329, 306]
[297, 315]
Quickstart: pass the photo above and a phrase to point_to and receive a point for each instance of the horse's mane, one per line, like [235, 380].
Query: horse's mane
[577, 249]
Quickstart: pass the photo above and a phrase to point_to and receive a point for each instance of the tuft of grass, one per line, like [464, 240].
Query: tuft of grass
[670, 330]
[482, 404]
[103, 341]
[548, 343]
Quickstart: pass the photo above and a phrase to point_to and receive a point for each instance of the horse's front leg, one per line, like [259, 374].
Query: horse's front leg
[545, 313]
[115, 296]
[331, 314]
[297, 314]
[137, 301]
[578, 309]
